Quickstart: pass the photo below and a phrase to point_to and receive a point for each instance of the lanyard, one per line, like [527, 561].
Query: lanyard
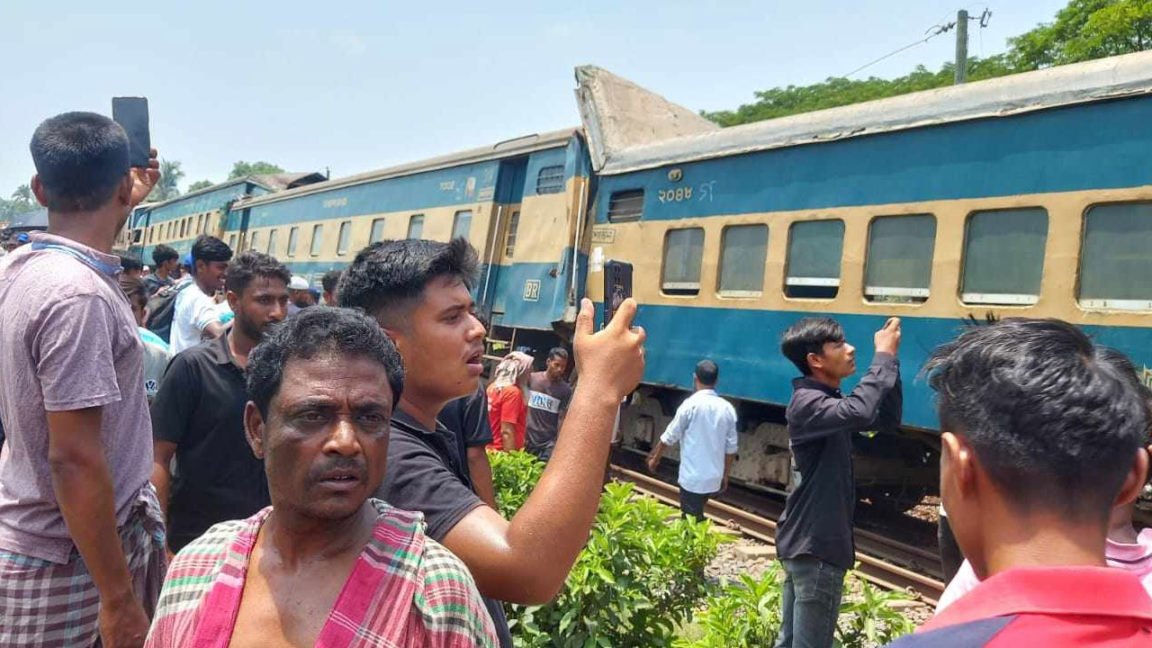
[95, 264]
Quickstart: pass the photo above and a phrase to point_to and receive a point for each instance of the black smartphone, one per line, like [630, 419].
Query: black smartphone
[132, 114]
[617, 287]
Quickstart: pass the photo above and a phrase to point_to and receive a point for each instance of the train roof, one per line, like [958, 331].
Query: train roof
[630, 128]
[507, 148]
[270, 181]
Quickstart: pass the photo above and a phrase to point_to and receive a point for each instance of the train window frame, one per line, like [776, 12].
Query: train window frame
[682, 288]
[272, 236]
[254, 241]
[1124, 305]
[1003, 300]
[456, 223]
[317, 242]
[737, 293]
[550, 179]
[376, 233]
[413, 222]
[794, 287]
[895, 294]
[232, 241]
[615, 200]
[511, 234]
[293, 239]
[344, 238]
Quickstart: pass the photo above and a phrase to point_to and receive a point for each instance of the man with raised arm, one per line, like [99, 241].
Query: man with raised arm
[419, 292]
[81, 535]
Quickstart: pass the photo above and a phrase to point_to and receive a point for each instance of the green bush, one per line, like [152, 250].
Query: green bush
[639, 577]
[869, 620]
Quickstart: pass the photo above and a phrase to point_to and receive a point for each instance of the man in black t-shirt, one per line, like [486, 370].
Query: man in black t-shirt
[198, 413]
[467, 419]
[419, 292]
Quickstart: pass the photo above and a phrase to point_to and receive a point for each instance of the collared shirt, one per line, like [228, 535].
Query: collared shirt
[404, 590]
[817, 518]
[1052, 607]
[191, 314]
[200, 408]
[68, 341]
[705, 427]
[427, 473]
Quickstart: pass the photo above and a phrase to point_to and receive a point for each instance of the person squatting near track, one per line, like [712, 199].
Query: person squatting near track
[814, 535]
[419, 291]
[325, 565]
[79, 522]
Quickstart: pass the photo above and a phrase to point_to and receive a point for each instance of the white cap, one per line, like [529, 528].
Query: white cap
[298, 283]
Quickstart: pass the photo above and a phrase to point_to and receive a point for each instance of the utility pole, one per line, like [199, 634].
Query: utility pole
[961, 46]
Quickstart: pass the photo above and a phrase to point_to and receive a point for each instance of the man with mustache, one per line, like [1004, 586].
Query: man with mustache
[324, 565]
[198, 413]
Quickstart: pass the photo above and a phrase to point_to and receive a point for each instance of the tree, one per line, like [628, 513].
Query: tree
[23, 196]
[242, 169]
[170, 175]
[200, 184]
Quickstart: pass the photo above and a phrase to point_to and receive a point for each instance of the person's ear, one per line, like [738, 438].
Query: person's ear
[124, 189]
[1135, 479]
[233, 300]
[254, 428]
[38, 190]
[957, 466]
[815, 361]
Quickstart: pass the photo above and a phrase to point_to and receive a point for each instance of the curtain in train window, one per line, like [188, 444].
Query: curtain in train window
[814, 250]
[683, 251]
[342, 239]
[272, 243]
[254, 243]
[317, 239]
[377, 231]
[1116, 257]
[898, 268]
[1004, 256]
[462, 224]
[743, 254]
[416, 226]
[293, 235]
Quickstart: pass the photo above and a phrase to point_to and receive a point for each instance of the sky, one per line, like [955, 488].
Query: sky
[352, 86]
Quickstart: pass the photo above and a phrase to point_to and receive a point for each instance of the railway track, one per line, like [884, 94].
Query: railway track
[883, 561]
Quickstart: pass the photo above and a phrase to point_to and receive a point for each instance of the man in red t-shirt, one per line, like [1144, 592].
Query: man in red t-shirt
[507, 407]
[1042, 432]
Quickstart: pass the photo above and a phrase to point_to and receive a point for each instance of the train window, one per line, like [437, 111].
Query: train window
[898, 267]
[137, 235]
[272, 243]
[293, 235]
[254, 243]
[377, 231]
[814, 251]
[743, 252]
[416, 226]
[683, 251]
[550, 180]
[462, 224]
[626, 205]
[1116, 257]
[317, 240]
[1004, 256]
[232, 241]
[510, 239]
[342, 239]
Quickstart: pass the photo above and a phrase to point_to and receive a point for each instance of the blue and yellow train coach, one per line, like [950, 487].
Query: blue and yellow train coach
[1024, 196]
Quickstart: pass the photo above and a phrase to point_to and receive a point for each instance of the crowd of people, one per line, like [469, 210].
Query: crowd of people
[200, 453]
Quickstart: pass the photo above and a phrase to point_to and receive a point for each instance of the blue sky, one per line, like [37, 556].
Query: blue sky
[359, 85]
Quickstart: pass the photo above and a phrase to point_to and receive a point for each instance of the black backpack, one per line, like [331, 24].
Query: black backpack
[161, 309]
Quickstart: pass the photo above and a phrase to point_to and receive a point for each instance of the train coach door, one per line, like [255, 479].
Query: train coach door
[501, 242]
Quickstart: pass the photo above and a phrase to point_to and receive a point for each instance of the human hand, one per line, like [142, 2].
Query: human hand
[123, 623]
[887, 339]
[653, 463]
[614, 357]
[724, 484]
[144, 180]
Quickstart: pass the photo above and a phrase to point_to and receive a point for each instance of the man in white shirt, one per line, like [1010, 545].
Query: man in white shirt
[706, 424]
[196, 316]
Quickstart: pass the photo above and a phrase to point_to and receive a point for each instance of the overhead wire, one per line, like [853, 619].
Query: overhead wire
[932, 32]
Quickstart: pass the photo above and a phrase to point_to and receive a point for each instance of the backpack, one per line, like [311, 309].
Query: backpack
[162, 309]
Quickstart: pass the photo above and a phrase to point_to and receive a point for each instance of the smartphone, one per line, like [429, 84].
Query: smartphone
[132, 114]
[617, 287]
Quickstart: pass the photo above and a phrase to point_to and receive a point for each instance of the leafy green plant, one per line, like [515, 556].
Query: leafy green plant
[514, 475]
[869, 619]
[745, 613]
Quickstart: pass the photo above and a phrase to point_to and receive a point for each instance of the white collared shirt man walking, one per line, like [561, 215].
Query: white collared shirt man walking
[705, 425]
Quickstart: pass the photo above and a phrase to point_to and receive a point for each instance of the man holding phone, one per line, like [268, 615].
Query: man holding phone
[81, 535]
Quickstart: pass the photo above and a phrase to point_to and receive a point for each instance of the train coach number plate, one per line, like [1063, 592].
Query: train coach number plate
[603, 235]
[532, 290]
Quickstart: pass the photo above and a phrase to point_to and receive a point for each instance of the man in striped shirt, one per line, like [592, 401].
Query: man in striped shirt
[325, 565]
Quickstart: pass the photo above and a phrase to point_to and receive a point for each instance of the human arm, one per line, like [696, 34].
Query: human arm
[731, 446]
[508, 436]
[144, 179]
[481, 472]
[671, 435]
[526, 559]
[172, 412]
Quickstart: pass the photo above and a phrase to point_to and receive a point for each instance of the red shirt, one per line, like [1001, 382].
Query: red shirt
[506, 405]
[1038, 607]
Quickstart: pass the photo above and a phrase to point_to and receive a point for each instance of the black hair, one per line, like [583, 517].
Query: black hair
[558, 352]
[331, 279]
[210, 248]
[130, 263]
[248, 265]
[134, 289]
[80, 158]
[1054, 420]
[314, 332]
[707, 372]
[164, 253]
[388, 277]
[809, 335]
